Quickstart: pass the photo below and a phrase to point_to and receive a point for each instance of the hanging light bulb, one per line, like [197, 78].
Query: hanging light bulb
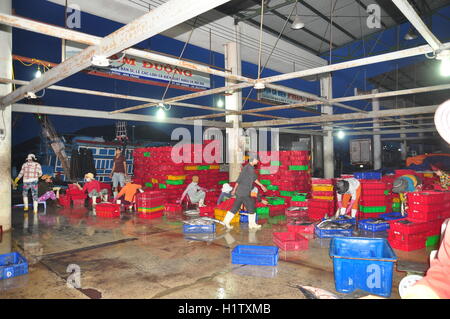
[297, 24]
[38, 73]
[444, 57]
[160, 114]
[220, 103]
[341, 135]
[411, 34]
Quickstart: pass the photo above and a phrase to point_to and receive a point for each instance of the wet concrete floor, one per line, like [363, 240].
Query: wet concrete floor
[132, 257]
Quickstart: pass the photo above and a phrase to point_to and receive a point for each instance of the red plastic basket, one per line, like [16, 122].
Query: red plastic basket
[407, 246]
[107, 210]
[412, 228]
[308, 229]
[173, 208]
[64, 200]
[296, 213]
[78, 202]
[322, 181]
[207, 211]
[290, 241]
[277, 210]
[299, 204]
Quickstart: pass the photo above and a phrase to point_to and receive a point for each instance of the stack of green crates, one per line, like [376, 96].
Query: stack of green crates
[287, 193]
[148, 184]
[146, 154]
[276, 219]
[162, 186]
[203, 167]
[265, 181]
[272, 187]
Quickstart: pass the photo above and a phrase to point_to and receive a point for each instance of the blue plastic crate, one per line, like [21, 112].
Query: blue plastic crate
[190, 229]
[255, 255]
[244, 218]
[367, 175]
[328, 233]
[12, 265]
[363, 263]
[365, 225]
[392, 216]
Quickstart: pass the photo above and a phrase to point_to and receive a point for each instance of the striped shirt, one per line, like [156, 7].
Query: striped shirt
[31, 171]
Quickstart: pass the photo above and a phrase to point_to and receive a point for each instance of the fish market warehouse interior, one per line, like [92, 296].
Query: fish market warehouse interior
[224, 149]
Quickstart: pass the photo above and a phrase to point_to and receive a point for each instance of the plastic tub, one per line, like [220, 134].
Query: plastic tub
[255, 255]
[188, 229]
[363, 263]
[12, 265]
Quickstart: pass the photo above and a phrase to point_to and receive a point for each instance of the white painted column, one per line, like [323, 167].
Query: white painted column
[326, 91]
[235, 140]
[5, 122]
[376, 138]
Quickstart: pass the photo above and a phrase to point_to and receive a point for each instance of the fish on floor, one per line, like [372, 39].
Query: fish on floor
[315, 293]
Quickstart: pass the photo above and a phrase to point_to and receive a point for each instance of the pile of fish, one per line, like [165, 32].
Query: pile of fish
[295, 208]
[378, 220]
[332, 224]
[192, 212]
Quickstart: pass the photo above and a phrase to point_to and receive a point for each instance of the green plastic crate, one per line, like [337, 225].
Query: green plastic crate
[432, 240]
[298, 198]
[372, 209]
[203, 167]
[272, 187]
[148, 185]
[396, 206]
[386, 192]
[275, 163]
[275, 200]
[287, 193]
[178, 182]
[264, 172]
[262, 210]
[265, 181]
[276, 219]
[222, 182]
[146, 154]
[298, 167]
[162, 186]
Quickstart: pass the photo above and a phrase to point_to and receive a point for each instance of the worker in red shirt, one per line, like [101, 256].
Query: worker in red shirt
[92, 187]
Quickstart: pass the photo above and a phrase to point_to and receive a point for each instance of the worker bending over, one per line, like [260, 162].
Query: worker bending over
[348, 194]
[242, 189]
[406, 184]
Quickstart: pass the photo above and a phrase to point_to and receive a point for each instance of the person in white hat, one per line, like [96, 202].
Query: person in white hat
[31, 171]
[94, 190]
[226, 193]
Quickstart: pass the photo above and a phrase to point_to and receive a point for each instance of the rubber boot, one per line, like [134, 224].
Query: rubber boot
[354, 211]
[201, 203]
[252, 222]
[228, 217]
[35, 207]
[25, 204]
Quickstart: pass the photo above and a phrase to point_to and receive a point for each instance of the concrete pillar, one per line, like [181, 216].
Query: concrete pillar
[376, 138]
[403, 144]
[317, 151]
[5, 122]
[326, 91]
[233, 101]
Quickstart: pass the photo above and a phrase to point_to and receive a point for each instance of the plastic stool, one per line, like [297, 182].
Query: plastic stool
[44, 203]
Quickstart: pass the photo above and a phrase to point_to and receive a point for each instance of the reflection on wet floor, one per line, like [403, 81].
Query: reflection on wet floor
[130, 257]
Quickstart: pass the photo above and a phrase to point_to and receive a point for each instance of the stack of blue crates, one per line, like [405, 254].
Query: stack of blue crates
[12, 265]
[367, 175]
[255, 255]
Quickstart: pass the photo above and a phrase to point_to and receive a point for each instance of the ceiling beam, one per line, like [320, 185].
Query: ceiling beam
[321, 15]
[405, 7]
[423, 49]
[78, 37]
[386, 132]
[346, 116]
[277, 33]
[152, 23]
[75, 112]
[266, 10]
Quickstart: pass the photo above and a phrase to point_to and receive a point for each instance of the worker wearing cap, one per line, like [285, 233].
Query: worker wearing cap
[405, 184]
[31, 171]
[348, 193]
[242, 190]
[444, 178]
[93, 188]
[225, 194]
